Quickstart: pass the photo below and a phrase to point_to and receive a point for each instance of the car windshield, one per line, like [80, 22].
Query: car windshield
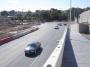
[33, 45]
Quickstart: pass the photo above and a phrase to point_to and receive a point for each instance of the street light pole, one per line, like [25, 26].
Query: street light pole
[87, 12]
[22, 19]
[70, 9]
[69, 16]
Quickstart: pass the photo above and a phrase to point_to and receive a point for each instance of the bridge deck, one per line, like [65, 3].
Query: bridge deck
[76, 51]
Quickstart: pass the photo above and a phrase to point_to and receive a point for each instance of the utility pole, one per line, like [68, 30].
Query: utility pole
[22, 19]
[22, 14]
[70, 15]
[87, 12]
[70, 10]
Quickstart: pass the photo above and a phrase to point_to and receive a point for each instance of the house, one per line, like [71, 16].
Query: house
[84, 21]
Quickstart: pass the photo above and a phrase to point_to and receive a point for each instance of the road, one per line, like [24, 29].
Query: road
[12, 53]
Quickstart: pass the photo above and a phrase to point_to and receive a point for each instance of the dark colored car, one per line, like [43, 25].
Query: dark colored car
[56, 27]
[65, 24]
[32, 48]
[59, 24]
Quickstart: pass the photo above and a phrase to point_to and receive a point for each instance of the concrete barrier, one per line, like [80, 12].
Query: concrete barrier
[23, 33]
[80, 27]
[17, 35]
[5, 38]
[74, 28]
[57, 53]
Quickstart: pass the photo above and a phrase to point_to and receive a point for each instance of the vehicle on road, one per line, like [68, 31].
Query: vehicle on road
[56, 27]
[65, 24]
[32, 48]
[34, 28]
[59, 24]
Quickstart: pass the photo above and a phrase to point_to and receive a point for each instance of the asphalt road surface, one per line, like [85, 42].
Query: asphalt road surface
[12, 53]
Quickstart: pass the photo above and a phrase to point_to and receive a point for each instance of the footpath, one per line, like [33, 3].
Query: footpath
[76, 50]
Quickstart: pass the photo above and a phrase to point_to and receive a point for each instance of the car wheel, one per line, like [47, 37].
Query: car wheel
[26, 54]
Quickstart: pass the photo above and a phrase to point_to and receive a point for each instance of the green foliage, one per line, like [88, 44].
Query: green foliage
[19, 17]
[4, 13]
[28, 15]
[45, 15]
[12, 13]
[75, 12]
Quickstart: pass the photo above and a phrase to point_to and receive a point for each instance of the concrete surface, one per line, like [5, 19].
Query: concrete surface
[77, 50]
[57, 53]
[12, 53]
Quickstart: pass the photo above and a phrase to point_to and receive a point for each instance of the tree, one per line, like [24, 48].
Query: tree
[12, 13]
[4, 13]
[87, 8]
[53, 14]
[28, 15]
[38, 15]
[19, 17]
[45, 16]
[75, 12]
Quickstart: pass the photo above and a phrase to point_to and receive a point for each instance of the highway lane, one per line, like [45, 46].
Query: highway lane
[12, 53]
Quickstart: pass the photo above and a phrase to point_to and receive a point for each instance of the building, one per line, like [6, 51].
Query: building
[4, 20]
[84, 21]
[85, 17]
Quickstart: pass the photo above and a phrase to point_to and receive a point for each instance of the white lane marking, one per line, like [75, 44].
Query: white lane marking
[34, 61]
[52, 60]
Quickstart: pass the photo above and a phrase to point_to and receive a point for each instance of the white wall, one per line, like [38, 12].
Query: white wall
[84, 17]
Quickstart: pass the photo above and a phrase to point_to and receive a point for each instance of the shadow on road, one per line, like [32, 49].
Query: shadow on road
[35, 55]
[69, 59]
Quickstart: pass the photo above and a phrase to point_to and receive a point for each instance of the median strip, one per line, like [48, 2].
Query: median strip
[17, 35]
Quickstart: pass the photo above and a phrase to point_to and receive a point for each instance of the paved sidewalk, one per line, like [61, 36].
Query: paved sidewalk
[77, 50]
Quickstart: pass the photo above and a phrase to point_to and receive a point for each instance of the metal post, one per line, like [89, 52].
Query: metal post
[70, 10]
[22, 20]
[70, 15]
[87, 12]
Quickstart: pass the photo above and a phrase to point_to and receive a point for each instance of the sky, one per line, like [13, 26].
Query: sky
[32, 5]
